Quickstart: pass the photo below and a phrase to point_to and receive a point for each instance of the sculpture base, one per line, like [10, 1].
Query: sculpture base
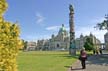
[72, 51]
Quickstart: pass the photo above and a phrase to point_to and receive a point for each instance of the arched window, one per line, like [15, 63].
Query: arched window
[58, 45]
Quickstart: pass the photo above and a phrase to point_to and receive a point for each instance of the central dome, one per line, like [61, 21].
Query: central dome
[62, 29]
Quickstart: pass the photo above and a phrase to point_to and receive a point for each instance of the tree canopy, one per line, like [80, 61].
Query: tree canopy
[103, 25]
[10, 41]
[88, 44]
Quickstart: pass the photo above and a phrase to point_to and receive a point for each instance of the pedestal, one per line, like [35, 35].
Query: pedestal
[72, 51]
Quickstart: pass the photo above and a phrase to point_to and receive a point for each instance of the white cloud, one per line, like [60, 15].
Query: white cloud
[53, 28]
[56, 28]
[39, 18]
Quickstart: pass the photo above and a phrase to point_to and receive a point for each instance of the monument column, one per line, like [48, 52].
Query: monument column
[72, 48]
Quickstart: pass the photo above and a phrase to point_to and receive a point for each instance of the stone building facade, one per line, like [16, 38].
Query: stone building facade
[61, 41]
[82, 39]
[31, 46]
[56, 42]
[106, 40]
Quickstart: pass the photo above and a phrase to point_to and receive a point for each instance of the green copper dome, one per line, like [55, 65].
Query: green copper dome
[62, 29]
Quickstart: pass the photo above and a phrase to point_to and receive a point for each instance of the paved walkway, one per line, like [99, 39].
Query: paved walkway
[94, 63]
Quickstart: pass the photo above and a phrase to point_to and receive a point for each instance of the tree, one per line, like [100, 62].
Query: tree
[9, 41]
[25, 44]
[88, 44]
[103, 25]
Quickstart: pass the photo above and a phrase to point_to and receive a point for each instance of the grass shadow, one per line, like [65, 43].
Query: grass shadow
[71, 56]
[67, 66]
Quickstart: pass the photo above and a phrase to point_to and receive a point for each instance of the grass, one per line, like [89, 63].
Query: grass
[44, 61]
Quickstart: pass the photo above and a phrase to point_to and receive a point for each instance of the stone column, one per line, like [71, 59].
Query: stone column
[72, 49]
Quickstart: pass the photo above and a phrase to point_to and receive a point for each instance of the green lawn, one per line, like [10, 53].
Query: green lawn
[44, 61]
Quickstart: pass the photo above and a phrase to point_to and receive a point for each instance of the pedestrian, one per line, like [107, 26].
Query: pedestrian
[83, 58]
[100, 50]
[94, 51]
[97, 51]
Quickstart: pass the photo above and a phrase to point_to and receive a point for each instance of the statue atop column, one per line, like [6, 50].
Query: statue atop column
[71, 8]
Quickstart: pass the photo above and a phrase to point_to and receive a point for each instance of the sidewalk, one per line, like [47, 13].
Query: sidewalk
[94, 63]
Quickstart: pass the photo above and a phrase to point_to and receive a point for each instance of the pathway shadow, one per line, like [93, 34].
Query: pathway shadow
[73, 68]
[98, 59]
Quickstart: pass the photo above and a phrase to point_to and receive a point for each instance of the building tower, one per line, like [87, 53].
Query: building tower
[72, 49]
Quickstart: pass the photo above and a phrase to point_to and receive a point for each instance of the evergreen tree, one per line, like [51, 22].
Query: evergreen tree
[89, 44]
[25, 44]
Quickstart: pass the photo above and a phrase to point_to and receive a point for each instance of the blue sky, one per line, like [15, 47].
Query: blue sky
[40, 19]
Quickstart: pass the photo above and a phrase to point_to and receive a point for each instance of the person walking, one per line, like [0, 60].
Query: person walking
[94, 51]
[100, 50]
[83, 58]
